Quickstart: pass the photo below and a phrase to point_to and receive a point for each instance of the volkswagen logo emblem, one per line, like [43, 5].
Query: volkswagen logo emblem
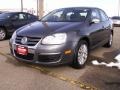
[24, 40]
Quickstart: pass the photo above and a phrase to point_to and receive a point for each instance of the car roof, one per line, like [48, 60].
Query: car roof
[14, 12]
[80, 8]
[3, 11]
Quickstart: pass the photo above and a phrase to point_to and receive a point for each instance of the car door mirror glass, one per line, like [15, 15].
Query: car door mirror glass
[95, 20]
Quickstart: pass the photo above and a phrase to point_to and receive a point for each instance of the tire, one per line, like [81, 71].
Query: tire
[110, 41]
[81, 55]
[3, 34]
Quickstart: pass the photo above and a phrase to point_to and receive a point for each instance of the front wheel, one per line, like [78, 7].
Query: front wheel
[81, 55]
[2, 34]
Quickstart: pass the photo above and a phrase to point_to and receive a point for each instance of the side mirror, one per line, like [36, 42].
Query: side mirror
[94, 21]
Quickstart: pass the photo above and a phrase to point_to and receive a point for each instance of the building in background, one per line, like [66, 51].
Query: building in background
[111, 7]
[32, 10]
[15, 5]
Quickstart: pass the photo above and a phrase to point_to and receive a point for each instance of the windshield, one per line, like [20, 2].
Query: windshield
[5, 16]
[66, 15]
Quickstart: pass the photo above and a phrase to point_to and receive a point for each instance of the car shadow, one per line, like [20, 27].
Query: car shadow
[111, 55]
[107, 57]
[18, 63]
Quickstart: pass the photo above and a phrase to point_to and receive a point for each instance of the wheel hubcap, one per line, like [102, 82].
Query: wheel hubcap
[2, 34]
[82, 54]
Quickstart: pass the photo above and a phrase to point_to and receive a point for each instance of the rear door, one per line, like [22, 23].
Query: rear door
[106, 25]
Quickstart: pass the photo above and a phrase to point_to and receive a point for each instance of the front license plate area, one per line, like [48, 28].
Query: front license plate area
[22, 50]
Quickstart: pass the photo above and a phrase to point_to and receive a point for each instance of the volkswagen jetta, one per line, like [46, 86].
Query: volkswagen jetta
[63, 36]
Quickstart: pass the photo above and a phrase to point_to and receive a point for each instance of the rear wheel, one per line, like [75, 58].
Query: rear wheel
[109, 43]
[2, 34]
[81, 55]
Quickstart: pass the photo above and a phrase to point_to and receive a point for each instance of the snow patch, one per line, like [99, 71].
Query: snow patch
[111, 64]
[95, 62]
[118, 58]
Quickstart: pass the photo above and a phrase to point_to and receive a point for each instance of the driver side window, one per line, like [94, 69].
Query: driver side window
[58, 16]
[95, 14]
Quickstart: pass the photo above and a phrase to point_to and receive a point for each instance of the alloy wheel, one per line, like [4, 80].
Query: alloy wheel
[2, 34]
[82, 54]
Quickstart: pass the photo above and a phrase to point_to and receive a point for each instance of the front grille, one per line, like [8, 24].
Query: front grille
[32, 41]
[49, 58]
[29, 56]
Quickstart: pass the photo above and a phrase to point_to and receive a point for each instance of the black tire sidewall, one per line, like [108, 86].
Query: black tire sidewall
[75, 58]
[109, 41]
[108, 45]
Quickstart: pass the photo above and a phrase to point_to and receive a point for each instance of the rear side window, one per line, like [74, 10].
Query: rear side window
[22, 16]
[31, 16]
[104, 17]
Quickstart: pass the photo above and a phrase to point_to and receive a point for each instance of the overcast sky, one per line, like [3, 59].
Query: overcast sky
[110, 6]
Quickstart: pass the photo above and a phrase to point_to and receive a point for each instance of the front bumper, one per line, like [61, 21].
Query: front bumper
[45, 54]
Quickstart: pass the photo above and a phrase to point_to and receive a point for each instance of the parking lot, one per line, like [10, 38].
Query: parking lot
[16, 75]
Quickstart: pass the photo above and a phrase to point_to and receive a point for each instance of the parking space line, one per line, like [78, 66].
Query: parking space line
[57, 76]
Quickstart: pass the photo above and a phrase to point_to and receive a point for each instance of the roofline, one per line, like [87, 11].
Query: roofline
[80, 7]
[14, 12]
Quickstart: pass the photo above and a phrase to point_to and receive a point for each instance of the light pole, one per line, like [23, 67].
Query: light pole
[40, 8]
[37, 7]
[118, 7]
[21, 5]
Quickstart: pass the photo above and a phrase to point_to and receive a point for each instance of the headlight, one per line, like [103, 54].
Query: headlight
[13, 36]
[58, 38]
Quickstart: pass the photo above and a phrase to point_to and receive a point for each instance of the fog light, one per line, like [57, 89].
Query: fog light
[68, 52]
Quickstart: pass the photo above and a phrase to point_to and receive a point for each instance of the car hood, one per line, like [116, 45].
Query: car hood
[40, 29]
